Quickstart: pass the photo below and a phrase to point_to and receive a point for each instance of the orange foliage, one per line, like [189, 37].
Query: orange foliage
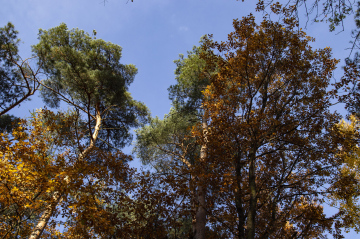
[270, 147]
[38, 160]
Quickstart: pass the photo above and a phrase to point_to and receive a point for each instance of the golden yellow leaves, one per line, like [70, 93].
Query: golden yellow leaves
[25, 163]
[30, 172]
[350, 152]
[345, 191]
[40, 171]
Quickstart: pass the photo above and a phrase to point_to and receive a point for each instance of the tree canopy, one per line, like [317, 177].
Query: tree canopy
[270, 142]
[74, 169]
[86, 73]
[250, 148]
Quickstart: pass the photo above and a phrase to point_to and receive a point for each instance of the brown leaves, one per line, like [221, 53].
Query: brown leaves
[270, 128]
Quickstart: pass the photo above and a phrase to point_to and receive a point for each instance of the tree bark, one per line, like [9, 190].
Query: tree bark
[201, 190]
[45, 217]
[200, 214]
[193, 207]
[238, 200]
[250, 223]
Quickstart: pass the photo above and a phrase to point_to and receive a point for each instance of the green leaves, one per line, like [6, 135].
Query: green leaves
[17, 79]
[7, 122]
[191, 81]
[66, 160]
[80, 66]
[86, 73]
[166, 143]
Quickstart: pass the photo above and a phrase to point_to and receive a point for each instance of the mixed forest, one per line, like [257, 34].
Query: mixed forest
[251, 147]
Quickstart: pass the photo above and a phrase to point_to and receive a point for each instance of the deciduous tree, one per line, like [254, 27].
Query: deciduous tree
[345, 190]
[41, 177]
[270, 143]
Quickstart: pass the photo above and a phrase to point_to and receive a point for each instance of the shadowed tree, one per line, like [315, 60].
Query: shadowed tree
[17, 79]
[271, 149]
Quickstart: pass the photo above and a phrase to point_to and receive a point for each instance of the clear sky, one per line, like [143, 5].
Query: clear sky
[152, 34]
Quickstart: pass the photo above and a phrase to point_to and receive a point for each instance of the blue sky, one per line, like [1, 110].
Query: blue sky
[152, 33]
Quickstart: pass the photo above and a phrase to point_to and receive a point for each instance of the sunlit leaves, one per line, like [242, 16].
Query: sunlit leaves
[346, 191]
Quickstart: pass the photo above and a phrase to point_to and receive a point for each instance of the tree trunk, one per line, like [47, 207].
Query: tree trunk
[239, 200]
[201, 190]
[193, 208]
[45, 217]
[250, 224]
[200, 214]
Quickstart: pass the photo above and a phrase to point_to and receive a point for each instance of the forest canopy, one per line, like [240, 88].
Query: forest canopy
[251, 147]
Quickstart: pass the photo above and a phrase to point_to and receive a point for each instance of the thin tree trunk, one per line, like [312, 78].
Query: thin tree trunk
[239, 201]
[193, 208]
[250, 224]
[201, 214]
[45, 217]
[201, 190]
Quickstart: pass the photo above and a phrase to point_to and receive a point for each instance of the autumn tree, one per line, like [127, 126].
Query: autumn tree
[271, 151]
[20, 184]
[345, 190]
[27, 170]
[32, 173]
[101, 198]
[346, 91]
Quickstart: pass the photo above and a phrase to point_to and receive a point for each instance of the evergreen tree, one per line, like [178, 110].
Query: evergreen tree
[86, 73]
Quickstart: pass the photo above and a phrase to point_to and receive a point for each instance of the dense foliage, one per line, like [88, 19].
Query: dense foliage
[250, 148]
